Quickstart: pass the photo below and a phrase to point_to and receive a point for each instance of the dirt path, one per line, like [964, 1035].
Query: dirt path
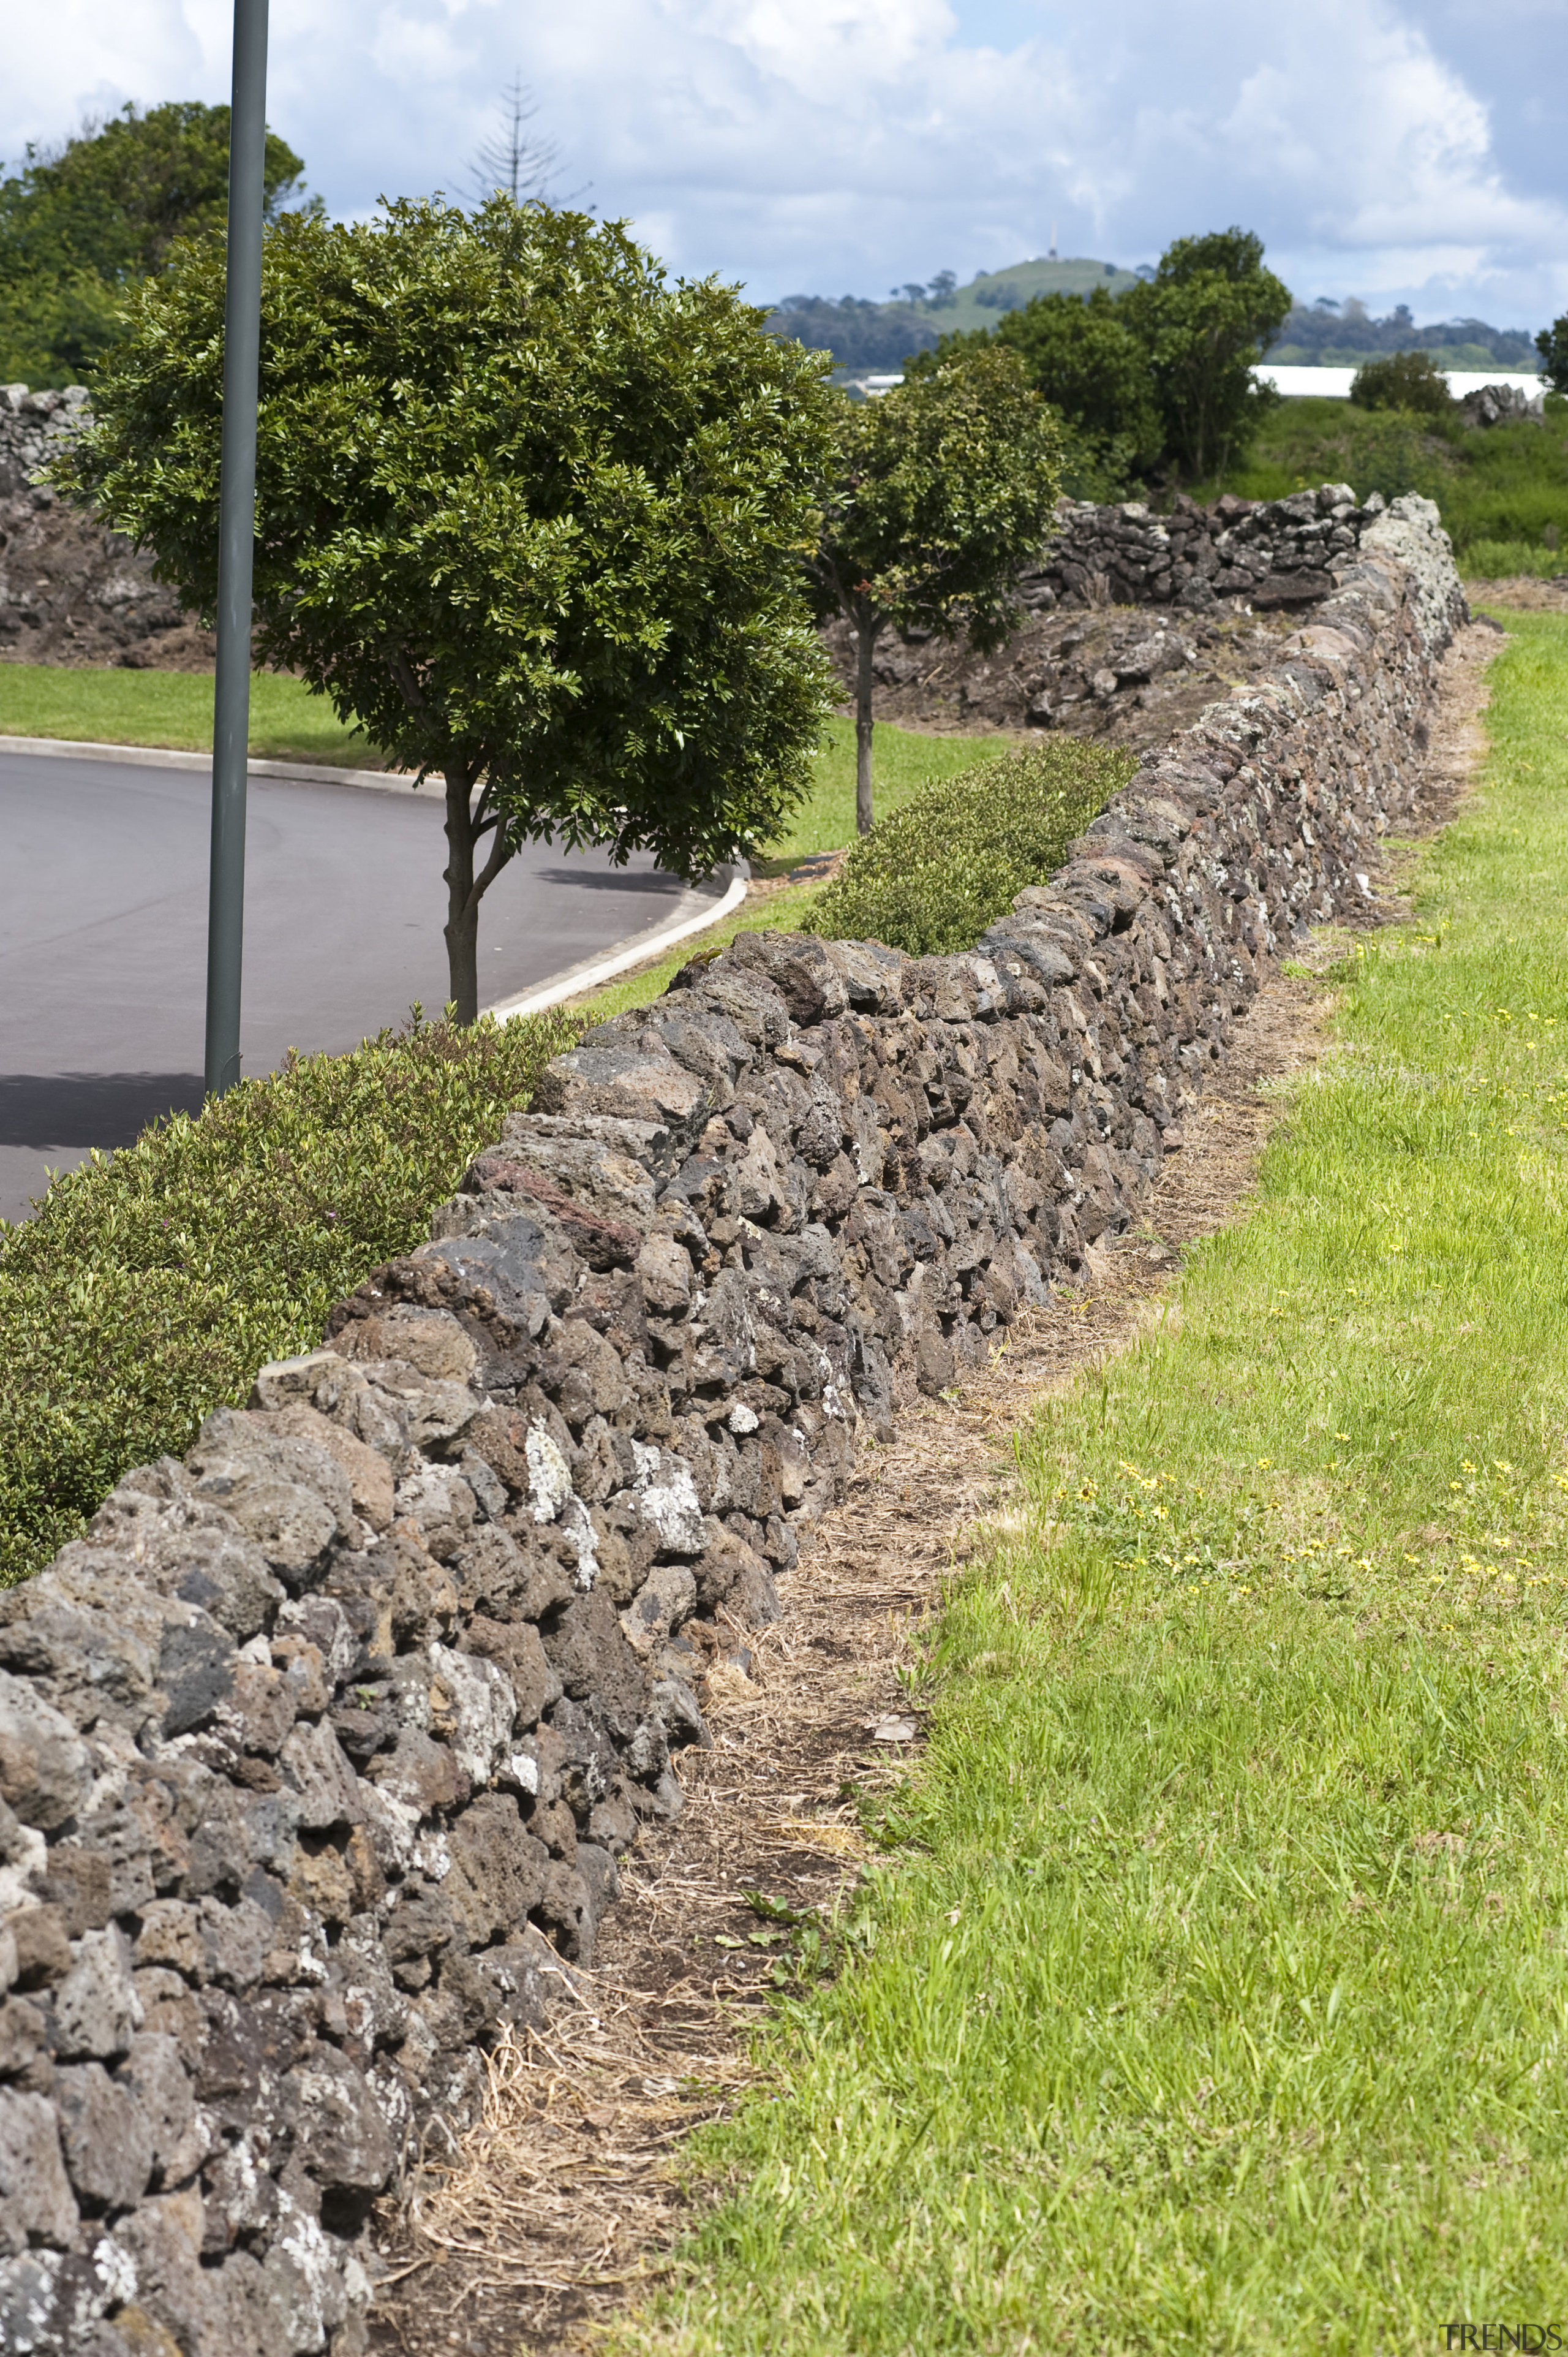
[558, 2208]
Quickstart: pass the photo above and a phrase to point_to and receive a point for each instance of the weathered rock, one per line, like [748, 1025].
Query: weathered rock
[36, 2200]
[106, 2137]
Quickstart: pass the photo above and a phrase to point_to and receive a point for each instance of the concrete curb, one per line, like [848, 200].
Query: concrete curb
[163, 757]
[640, 947]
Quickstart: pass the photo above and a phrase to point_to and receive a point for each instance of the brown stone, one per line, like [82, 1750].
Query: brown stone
[497, 1871]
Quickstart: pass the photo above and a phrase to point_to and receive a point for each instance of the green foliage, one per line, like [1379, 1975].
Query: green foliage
[929, 878]
[1229, 1893]
[1408, 381]
[1082, 357]
[941, 492]
[1160, 371]
[1205, 318]
[80, 228]
[1552, 345]
[153, 1283]
[532, 517]
[907, 760]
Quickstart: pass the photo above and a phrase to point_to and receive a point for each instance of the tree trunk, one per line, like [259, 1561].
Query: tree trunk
[462, 927]
[866, 626]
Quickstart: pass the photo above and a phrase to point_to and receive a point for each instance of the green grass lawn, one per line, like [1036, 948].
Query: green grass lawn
[1503, 491]
[1214, 1995]
[173, 708]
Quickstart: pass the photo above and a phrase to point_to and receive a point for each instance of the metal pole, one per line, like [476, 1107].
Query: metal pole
[236, 543]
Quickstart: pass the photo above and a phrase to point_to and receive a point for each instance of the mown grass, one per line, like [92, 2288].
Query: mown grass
[173, 708]
[151, 1284]
[1213, 1994]
[1503, 490]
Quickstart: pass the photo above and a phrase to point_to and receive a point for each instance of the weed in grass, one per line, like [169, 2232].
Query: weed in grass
[1217, 2002]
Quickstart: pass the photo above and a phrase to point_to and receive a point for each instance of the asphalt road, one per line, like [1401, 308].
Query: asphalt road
[103, 938]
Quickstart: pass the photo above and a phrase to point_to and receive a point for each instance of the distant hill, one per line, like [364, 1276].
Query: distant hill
[863, 335]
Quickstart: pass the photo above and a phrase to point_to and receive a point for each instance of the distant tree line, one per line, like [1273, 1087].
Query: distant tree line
[860, 334]
[1327, 327]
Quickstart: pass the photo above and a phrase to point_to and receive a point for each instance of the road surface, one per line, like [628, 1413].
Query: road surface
[103, 938]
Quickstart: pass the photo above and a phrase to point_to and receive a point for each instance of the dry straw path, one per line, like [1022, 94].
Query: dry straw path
[559, 2209]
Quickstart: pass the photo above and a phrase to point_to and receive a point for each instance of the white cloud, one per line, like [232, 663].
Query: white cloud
[834, 144]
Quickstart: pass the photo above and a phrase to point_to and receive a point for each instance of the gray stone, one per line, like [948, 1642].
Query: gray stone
[316, 1769]
[106, 2137]
[96, 2009]
[36, 2200]
[156, 2076]
[338, 2131]
[43, 1761]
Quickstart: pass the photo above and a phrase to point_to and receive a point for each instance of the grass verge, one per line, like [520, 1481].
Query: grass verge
[175, 708]
[152, 1284]
[1212, 1996]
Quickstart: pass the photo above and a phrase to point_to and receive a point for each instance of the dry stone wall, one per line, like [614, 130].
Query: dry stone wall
[318, 1751]
[72, 591]
[1263, 552]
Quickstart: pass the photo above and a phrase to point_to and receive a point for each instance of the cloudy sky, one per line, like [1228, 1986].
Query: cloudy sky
[1401, 153]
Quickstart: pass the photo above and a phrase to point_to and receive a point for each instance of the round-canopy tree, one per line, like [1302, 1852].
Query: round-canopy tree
[941, 493]
[530, 516]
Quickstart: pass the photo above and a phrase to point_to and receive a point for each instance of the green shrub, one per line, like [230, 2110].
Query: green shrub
[929, 878]
[1402, 381]
[152, 1284]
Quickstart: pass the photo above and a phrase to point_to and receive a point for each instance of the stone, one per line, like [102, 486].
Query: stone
[516, 1647]
[662, 1603]
[54, 2301]
[105, 2135]
[590, 1655]
[338, 2131]
[472, 1708]
[42, 1945]
[96, 2009]
[154, 2075]
[43, 1761]
[36, 2200]
[497, 1872]
[317, 1771]
[669, 1501]
[23, 2037]
[369, 1475]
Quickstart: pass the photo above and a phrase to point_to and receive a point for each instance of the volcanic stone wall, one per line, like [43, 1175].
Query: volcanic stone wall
[318, 1751]
[72, 591]
[1265, 552]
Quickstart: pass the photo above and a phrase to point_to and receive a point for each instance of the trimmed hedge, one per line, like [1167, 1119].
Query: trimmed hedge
[929, 879]
[153, 1283]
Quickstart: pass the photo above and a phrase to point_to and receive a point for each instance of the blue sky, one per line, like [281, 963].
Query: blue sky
[1412, 153]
